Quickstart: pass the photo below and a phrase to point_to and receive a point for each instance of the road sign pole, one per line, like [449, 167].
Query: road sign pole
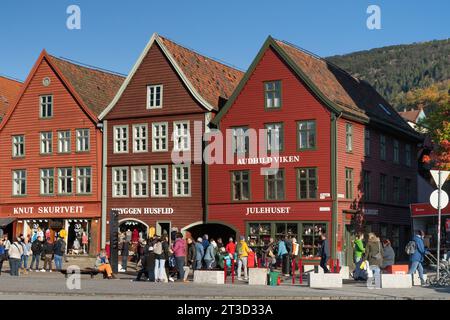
[439, 227]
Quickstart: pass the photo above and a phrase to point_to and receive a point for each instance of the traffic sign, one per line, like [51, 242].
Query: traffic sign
[434, 199]
[435, 175]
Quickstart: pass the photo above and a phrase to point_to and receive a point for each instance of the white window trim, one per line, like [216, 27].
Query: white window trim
[14, 143]
[13, 182]
[88, 137]
[41, 103]
[41, 186]
[134, 137]
[59, 182]
[41, 140]
[133, 194]
[174, 182]
[59, 141]
[149, 107]
[78, 181]
[114, 181]
[115, 138]
[176, 147]
[166, 137]
[167, 181]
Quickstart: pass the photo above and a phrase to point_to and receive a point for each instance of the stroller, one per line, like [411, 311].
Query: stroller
[444, 270]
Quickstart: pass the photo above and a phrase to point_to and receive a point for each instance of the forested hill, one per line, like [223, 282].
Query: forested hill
[396, 70]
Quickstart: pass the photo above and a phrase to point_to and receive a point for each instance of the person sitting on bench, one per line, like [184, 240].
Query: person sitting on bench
[102, 264]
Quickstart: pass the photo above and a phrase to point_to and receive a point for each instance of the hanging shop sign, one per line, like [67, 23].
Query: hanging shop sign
[144, 211]
[267, 210]
[268, 160]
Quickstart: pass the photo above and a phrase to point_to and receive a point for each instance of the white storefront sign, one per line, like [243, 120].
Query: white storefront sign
[49, 210]
[268, 160]
[268, 210]
[144, 211]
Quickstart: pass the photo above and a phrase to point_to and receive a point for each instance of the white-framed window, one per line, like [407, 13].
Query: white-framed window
[83, 140]
[46, 106]
[159, 136]
[19, 182]
[65, 180]
[84, 180]
[275, 136]
[64, 141]
[139, 182]
[181, 136]
[160, 181]
[120, 182]
[140, 138]
[47, 181]
[181, 177]
[154, 96]
[120, 139]
[46, 142]
[241, 141]
[18, 146]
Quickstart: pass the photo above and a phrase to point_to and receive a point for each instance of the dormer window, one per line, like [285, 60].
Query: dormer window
[154, 96]
[272, 92]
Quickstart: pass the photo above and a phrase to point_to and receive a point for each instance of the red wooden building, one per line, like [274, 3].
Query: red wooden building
[170, 92]
[343, 153]
[52, 152]
[9, 92]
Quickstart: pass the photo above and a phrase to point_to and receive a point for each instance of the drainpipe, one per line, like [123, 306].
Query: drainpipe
[104, 183]
[334, 182]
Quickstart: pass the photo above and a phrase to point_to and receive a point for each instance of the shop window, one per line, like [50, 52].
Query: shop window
[348, 183]
[139, 181]
[19, 182]
[64, 141]
[259, 234]
[159, 181]
[154, 96]
[84, 180]
[120, 139]
[382, 147]
[240, 185]
[159, 137]
[47, 181]
[306, 135]
[140, 138]
[367, 142]
[18, 146]
[181, 180]
[307, 183]
[275, 136]
[286, 229]
[181, 136]
[83, 138]
[349, 137]
[120, 182]
[274, 180]
[46, 142]
[383, 188]
[241, 141]
[65, 180]
[46, 106]
[272, 92]
[383, 231]
[396, 151]
[78, 238]
[311, 239]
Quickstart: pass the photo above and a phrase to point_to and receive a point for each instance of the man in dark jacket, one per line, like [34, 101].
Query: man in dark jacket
[148, 262]
[191, 253]
[324, 252]
[47, 251]
[59, 251]
[36, 248]
[418, 256]
[288, 243]
[125, 252]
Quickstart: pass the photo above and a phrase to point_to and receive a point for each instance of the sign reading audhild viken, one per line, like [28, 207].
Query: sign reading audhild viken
[268, 160]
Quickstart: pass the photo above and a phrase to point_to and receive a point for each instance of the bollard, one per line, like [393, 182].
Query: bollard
[331, 265]
[338, 267]
[293, 271]
[225, 271]
[232, 271]
[300, 270]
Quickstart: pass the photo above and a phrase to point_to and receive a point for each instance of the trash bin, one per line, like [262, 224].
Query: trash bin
[273, 278]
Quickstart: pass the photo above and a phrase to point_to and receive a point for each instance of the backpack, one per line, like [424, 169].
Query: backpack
[35, 247]
[157, 248]
[410, 248]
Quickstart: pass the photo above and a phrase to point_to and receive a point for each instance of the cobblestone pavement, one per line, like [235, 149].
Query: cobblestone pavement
[38, 285]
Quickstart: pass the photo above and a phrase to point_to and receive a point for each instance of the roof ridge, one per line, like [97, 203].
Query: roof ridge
[90, 67]
[222, 62]
[11, 78]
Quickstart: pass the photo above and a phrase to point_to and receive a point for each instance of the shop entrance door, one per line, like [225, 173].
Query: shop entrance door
[163, 229]
[349, 240]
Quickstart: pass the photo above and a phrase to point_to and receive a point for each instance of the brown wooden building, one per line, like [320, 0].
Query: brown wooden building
[52, 152]
[171, 92]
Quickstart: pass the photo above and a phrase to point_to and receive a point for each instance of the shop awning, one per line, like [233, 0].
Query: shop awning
[5, 221]
[426, 210]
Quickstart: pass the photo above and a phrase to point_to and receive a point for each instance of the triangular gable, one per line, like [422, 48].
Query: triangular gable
[44, 56]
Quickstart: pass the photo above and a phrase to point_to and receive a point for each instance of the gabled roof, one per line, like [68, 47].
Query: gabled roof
[9, 92]
[411, 115]
[337, 89]
[207, 79]
[93, 89]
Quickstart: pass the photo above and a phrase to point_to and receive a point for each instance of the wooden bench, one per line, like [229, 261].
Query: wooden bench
[90, 271]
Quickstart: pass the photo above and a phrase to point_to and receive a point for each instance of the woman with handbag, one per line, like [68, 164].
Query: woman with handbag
[374, 255]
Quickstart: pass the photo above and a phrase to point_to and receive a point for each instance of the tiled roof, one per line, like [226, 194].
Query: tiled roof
[9, 92]
[352, 95]
[210, 78]
[410, 115]
[95, 87]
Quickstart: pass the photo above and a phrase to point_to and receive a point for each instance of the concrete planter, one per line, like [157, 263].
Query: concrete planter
[396, 281]
[325, 280]
[209, 277]
[257, 276]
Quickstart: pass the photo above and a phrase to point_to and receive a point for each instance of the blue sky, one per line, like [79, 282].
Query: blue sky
[113, 33]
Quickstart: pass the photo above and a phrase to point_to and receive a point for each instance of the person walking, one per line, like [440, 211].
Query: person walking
[418, 255]
[269, 255]
[199, 253]
[191, 253]
[209, 255]
[179, 251]
[374, 255]
[205, 242]
[295, 251]
[102, 265]
[147, 262]
[288, 243]
[324, 252]
[47, 251]
[26, 255]
[59, 250]
[2, 255]
[160, 260]
[36, 249]
[388, 254]
[231, 248]
[125, 253]
[359, 252]
[284, 256]
[15, 256]
[7, 245]
[242, 251]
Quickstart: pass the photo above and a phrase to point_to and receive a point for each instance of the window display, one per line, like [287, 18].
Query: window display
[78, 238]
[259, 234]
[310, 239]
